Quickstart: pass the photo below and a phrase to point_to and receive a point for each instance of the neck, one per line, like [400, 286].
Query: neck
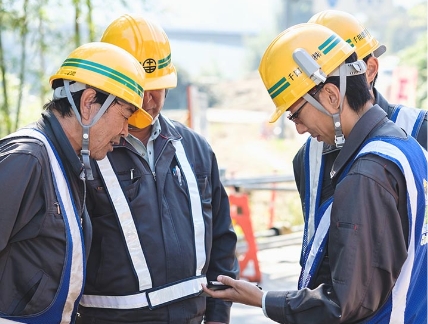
[72, 129]
[142, 134]
[350, 117]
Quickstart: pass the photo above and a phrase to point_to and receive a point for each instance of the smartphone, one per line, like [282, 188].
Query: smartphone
[217, 285]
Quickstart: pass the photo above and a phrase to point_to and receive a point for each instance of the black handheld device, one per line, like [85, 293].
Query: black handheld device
[217, 285]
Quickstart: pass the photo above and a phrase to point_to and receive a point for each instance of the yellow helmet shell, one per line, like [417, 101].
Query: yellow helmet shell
[351, 30]
[108, 68]
[285, 81]
[149, 44]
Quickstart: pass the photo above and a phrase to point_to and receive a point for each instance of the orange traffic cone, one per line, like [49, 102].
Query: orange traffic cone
[240, 213]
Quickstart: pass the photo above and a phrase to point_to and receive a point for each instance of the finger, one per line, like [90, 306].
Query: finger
[226, 280]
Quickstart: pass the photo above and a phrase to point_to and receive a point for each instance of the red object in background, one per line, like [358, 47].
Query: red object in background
[404, 86]
[248, 261]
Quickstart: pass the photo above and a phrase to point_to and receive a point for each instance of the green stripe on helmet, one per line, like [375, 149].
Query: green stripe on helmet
[329, 44]
[164, 62]
[278, 87]
[105, 71]
[349, 41]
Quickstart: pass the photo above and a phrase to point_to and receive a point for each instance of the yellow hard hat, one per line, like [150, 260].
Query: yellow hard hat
[149, 44]
[297, 60]
[110, 69]
[351, 30]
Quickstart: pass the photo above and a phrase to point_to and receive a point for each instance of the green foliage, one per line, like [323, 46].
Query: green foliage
[416, 56]
[398, 28]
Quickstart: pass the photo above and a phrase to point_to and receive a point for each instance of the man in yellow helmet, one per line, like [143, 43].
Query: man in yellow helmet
[43, 168]
[374, 227]
[313, 162]
[160, 214]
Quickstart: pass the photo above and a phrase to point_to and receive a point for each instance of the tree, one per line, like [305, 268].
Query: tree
[23, 33]
[416, 56]
[6, 19]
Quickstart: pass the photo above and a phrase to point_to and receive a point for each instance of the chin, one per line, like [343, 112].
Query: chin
[101, 155]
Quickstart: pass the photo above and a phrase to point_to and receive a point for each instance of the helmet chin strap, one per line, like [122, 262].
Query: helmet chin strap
[154, 119]
[343, 71]
[85, 153]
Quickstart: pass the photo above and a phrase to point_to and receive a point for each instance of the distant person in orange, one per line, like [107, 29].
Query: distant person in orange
[160, 214]
[374, 227]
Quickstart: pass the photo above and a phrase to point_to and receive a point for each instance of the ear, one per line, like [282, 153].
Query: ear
[372, 69]
[86, 101]
[330, 97]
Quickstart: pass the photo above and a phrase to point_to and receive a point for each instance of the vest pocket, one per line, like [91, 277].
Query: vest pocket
[26, 301]
[204, 186]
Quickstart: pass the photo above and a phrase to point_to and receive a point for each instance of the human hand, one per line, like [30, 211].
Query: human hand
[242, 292]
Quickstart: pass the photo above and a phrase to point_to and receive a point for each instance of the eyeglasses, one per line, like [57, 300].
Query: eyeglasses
[295, 115]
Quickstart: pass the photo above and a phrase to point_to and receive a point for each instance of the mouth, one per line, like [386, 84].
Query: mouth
[113, 143]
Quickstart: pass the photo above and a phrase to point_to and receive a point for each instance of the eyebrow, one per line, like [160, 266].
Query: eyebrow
[133, 109]
[129, 107]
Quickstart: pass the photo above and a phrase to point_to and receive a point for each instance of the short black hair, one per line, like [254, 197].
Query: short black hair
[357, 89]
[63, 106]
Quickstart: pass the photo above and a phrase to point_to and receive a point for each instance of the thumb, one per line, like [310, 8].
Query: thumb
[225, 280]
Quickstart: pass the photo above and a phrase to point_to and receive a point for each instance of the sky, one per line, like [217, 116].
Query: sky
[220, 15]
[237, 15]
[217, 15]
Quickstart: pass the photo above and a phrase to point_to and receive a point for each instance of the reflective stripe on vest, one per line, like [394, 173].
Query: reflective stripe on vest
[400, 291]
[395, 309]
[153, 298]
[409, 119]
[316, 247]
[127, 224]
[64, 306]
[315, 180]
[195, 202]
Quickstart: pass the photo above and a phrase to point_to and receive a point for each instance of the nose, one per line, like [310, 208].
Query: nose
[124, 132]
[301, 128]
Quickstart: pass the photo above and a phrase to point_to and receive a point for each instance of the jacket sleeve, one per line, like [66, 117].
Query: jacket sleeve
[368, 235]
[222, 258]
[367, 248]
[299, 173]
[20, 182]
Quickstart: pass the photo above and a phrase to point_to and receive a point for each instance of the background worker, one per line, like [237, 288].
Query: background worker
[374, 227]
[42, 171]
[313, 162]
[168, 228]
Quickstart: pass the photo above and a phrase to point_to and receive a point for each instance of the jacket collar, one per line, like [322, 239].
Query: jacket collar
[168, 131]
[359, 134]
[380, 100]
[51, 127]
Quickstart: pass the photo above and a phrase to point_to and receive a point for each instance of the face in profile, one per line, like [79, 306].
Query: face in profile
[112, 125]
